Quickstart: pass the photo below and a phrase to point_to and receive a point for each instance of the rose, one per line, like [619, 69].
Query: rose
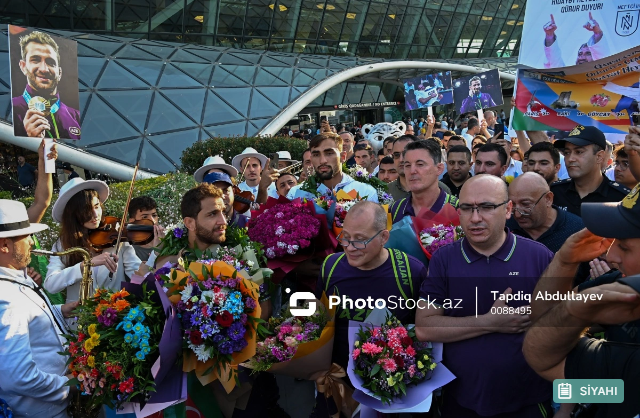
[225, 319]
[399, 361]
[406, 341]
[381, 344]
[195, 337]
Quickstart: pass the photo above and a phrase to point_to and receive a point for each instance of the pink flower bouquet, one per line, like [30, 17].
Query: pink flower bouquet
[291, 232]
[297, 346]
[435, 230]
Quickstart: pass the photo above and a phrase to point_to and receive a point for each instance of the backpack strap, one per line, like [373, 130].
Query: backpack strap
[401, 204]
[402, 272]
[333, 266]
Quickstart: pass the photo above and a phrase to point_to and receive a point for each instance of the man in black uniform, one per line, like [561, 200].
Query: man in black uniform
[584, 151]
[553, 347]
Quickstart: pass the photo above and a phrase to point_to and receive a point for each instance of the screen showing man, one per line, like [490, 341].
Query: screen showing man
[428, 90]
[44, 104]
[479, 91]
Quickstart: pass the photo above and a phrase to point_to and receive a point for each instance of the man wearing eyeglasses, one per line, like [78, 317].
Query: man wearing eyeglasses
[465, 306]
[368, 270]
[535, 217]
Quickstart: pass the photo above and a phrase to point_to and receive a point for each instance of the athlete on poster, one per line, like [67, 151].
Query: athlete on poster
[44, 84]
[478, 91]
[559, 33]
[428, 90]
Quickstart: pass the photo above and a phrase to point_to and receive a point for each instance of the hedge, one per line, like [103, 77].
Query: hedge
[193, 157]
[167, 190]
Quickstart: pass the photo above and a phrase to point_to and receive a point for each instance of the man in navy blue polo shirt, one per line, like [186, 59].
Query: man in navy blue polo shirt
[465, 306]
[422, 167]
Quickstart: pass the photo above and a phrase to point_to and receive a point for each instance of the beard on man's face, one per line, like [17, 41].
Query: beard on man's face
[38, 85]
[22, 258]
[210, 237]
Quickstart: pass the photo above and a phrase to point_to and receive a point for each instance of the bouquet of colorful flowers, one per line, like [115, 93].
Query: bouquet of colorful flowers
[435, 230]
[361, 175]
[297, 346]
[291, 232]
[220, 314]
[344, 202]
[112, 352]
[439, 235]
[174, 240]
[390, 369]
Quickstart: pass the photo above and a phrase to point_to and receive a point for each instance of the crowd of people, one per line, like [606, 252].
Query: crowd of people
[552, 217]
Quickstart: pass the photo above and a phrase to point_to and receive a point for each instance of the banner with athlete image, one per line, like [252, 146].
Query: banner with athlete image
[428, 90]
[603, 93]
[559, 33]
[477, 91]
[44, 84]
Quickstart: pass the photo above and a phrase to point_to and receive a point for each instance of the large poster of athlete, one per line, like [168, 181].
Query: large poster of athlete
[428, 90]
[44, 84]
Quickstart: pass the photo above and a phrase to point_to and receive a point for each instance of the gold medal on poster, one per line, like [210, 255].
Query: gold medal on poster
[40, 104]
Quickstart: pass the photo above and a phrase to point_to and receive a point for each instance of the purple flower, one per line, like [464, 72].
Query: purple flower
[239, 345]
[236, 331]
[108, 317]
[178, 232]
[226, 347]
[217, 338]
[250, 303]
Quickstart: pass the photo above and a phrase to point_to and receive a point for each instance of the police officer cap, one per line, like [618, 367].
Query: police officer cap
[614, 220]
[582, 136]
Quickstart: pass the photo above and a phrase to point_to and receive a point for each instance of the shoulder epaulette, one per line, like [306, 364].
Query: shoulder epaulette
[559, 182]
[619, 187]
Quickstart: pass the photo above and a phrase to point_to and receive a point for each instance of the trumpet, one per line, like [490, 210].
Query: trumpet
[86, 285]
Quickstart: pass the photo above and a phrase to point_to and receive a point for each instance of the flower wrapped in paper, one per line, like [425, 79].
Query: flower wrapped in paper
[360, 174]
[435, 230]
[291, 232]
[390, 369]
[220, 314]
[115, 353]
[297, 346]
[345, 201]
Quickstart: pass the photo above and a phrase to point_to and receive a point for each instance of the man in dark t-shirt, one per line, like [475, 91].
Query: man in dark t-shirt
[368, 270]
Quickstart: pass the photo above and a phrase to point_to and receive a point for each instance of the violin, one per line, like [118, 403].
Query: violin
[242, 200]
[106, 235]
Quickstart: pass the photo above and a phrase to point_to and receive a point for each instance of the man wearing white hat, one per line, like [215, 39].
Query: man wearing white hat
[214, 164]
[249, 164]
[32, 373]
[284, 161]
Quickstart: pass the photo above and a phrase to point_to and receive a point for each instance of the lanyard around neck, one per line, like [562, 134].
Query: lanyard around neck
[54, 108]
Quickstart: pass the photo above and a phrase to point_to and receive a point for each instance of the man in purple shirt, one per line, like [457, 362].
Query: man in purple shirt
[476, 301]
[367, 269]
[476, 100]
[38, 111]
[423, 165]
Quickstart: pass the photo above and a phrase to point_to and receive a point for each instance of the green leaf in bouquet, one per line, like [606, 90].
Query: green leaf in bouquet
[208, 371]
[375, 370]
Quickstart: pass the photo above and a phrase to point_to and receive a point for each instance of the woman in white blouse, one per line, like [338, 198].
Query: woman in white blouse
[78, 210]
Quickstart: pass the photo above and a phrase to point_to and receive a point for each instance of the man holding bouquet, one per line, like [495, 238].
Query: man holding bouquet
[367, 270]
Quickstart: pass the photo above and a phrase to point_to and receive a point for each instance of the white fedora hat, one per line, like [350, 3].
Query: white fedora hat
[248, 152]
[72, 187]
[214, 162]
[14, 220]
[286, 157]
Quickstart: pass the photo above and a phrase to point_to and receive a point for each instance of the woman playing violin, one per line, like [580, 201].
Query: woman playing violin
[79, 211]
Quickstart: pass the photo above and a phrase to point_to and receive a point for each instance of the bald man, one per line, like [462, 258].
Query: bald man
[536, 217]
[463, 306]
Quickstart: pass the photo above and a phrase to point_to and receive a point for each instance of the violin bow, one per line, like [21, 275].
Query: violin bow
[126, 208]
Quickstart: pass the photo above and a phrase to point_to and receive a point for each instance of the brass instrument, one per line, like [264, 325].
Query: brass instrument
[292, 169]
[86, 284]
